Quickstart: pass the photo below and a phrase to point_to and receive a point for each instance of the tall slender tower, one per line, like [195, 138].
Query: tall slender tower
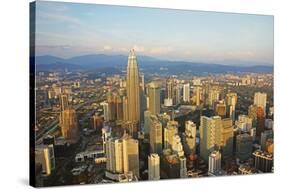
[133, 88]
[154, 98]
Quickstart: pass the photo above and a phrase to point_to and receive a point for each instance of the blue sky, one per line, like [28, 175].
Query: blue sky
[71, 29]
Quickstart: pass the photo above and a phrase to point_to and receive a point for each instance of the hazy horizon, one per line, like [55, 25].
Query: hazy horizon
[71, 29]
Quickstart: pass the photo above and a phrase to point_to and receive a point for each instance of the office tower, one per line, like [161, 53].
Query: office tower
[155, 135]
[244, 123]
[265, 135]
[210, 135]
[69, 126]
[169, 131]
[111, 106]
[244, 146]
[97, 122]
[213, 96]
[105, 111]
[177, 93]
[227, 138]
[142, 83]
[189, 138]
[186, 92]
[133, 88]
[44, 156]
[221, 109]
[260, 122]
[153, 167]
[147, 123]
[198, 93]
[231, 101]
[183, 169]
[122, 155]
[114, 155]
[214, 162]
[170, 88]
[131, 157]
[260, 100]
[154, 98]
[63, 102]
[263, 161]
[177, 147]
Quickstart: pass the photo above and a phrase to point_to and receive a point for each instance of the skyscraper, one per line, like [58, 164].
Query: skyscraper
[186, 92]
[122, 155]
[153, 167]
[244, 147]
[155, 135]
[231, 100]
[69, 126]
[189, 138]
[133, 88]
[169, 131]
[214, 162]
[260, 122]
[260, 100]
[154, 98]
[210, 135]
[227, 138]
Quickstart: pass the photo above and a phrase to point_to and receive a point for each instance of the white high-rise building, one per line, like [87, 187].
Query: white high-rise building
[260, 100]
[105, 111]
[189, 138]
[214, 162]
[153, 167]
[210, 135]
[186, 92]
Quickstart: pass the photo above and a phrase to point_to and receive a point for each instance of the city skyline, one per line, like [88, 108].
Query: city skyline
[68, 30]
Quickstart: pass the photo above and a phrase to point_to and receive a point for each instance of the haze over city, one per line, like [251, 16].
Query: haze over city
[67, 30]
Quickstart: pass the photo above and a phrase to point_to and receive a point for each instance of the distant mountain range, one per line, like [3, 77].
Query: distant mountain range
[101, 61]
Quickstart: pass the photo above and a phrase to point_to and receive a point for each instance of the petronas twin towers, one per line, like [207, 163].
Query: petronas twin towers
[133, 88]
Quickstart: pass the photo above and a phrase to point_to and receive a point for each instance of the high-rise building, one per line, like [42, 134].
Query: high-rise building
[147, 122]
[198, 95]
[69, 125]
[210, 135]
[244, 123]
[155, 135]
[213, 96]
[189, 138]
[169, 131]
[133, 88]
[244, 147]
[169, 100]
[260, 100]
[221, 109]
[183, 169]
[177, 147]
[231, 101]
[214, 162]
[154, 98]
[265, 136]
[252, 113]
[186, 92]
[44, 156]
[125, 109]
[153, 167]
[105, 111]
[227, 138]
[122, 155]
[263, 161]
[260, 122]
